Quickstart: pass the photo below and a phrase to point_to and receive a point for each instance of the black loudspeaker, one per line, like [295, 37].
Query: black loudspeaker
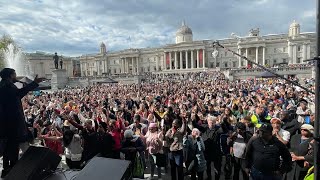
[100, 168]
[35, 164]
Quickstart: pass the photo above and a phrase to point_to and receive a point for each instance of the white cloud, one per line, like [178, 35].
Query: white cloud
[78, 27]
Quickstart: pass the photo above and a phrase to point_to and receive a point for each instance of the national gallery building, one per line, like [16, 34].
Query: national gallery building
[188, 55]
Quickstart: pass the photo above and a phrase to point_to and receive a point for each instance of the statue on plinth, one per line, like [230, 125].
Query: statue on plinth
[61, 62]
[56, 60]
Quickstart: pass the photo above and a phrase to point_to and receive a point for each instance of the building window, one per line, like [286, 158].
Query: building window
[284, 60]
[274, 50]
[275, 61]
[299, 48]
[234, 64]
[225, 64]
[299, 60]
[100, 63]
[218, 64]
[114, 71]
[284, 49]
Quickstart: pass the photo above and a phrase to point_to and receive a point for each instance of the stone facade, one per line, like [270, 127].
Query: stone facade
[188, 55]
[42, 64]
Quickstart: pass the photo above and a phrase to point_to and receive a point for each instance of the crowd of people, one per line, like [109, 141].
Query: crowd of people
[196, 124]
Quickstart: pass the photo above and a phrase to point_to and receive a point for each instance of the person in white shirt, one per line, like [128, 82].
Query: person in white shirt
[281, 134]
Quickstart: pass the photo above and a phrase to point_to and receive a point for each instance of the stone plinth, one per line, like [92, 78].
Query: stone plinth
[59, 79]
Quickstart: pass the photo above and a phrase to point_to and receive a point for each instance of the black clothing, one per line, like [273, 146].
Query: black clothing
[106, 144]
[292, 126]
[259, 153]
[12, 119]
[56, 61]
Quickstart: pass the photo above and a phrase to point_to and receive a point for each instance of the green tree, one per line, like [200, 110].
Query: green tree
[5, 40]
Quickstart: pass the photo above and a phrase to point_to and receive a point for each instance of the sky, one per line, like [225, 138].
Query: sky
[77, 27]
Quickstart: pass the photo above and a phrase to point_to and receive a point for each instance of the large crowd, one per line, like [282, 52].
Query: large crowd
[195, 124]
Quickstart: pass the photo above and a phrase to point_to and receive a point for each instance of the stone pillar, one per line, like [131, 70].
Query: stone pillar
[138, 70]
[175, 60]
[59, 79]
[246, 62]
[203, 58]
[170, 61]
[239, 58]
[304, 52]
[197, 58]
[157, 63]
[164, 62]
[294, 54]
[308, 51]
[257, 55]
[187, 63]
[127, 65]
[290, 53]
[192, 60]
[181, 67]
[263, 56]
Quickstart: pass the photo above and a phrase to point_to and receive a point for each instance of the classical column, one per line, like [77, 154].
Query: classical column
[192, 60]
[308, 51]
[294, 54]
[181, 67]
[170, 61]
[263, 56]
[304, 52]
[175, 60]
[197, 58]
[239, 58]
[290, 53]
[164, 62]
[127, 65]
[203, 58]
[187, 63]
[257, 55]
[157, 63]
[247, 57]
[137, 59]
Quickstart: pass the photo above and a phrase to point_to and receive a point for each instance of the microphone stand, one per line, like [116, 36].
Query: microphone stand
[216, 43]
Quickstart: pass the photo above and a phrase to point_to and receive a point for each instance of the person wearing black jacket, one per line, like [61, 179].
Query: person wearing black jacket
[263, 154]
[13, 128]
[289, 124]
[212, 151]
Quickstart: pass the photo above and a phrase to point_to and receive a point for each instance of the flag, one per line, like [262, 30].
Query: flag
[200, 56]
[167, 59]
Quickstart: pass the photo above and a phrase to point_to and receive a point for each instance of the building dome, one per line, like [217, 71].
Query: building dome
[184, 34]
[294, 29]
[102, 44]
[184, 29]
[294, 24]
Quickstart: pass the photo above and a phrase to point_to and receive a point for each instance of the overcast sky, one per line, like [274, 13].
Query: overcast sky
[75, 27]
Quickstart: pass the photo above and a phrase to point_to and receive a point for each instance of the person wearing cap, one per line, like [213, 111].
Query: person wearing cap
[131, 145]
[303, 111]
[281, 134]
[262, 156]
[154, 143]
[300, 148]
[13, 127]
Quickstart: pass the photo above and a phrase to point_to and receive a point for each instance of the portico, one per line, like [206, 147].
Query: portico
[185, 59]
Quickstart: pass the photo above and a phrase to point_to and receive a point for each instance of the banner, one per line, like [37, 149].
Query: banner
[167, 58]
[200, 57]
